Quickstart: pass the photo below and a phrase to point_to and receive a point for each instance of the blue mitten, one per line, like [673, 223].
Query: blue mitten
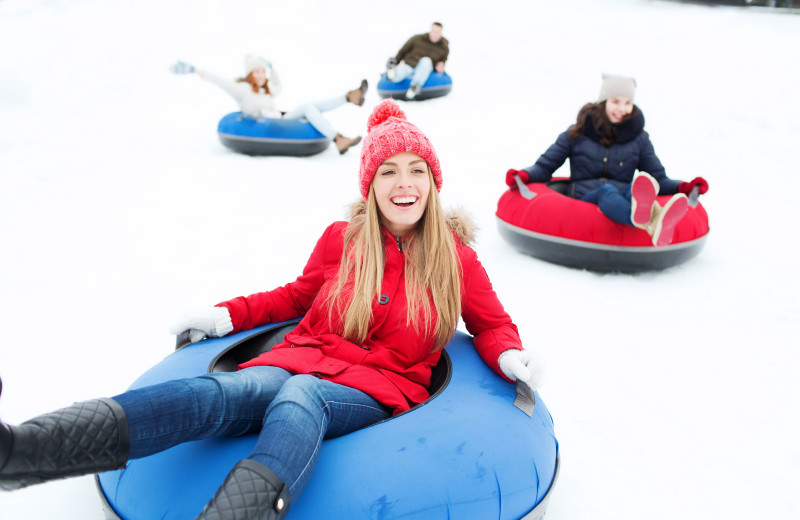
[180, 67]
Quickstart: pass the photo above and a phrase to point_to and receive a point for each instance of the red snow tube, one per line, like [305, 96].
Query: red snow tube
[557, 228]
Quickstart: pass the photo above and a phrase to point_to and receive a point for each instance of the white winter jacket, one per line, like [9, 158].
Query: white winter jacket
[250, 103]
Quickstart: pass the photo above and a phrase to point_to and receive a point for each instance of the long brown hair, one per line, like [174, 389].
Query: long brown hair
[432, 273]
[250, 79]
[601, 127]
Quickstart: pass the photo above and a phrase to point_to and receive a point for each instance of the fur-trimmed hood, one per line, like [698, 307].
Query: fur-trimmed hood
[458, 220]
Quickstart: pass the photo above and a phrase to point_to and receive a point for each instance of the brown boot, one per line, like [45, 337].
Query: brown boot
[344, 143]
[356, 96]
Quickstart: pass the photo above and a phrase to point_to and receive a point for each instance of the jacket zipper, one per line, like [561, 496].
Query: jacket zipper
[399, 243]
[605, 166]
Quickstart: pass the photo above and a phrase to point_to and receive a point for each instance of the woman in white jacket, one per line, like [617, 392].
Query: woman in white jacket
[255, 94]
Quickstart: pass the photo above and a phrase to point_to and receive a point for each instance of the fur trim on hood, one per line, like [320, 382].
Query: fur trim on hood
[462, 225]
[458, 220]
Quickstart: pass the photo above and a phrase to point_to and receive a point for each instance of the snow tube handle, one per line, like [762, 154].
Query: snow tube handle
[523, 189]
[693, 196]
[525, 399]
[182, 340]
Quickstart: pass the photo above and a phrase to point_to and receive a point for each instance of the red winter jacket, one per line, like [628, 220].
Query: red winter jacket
[394, 364]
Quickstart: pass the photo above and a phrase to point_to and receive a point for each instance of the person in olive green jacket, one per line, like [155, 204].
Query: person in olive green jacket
[418, 58]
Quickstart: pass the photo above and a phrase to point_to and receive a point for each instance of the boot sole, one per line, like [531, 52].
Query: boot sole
[674, 210]
[644, 190]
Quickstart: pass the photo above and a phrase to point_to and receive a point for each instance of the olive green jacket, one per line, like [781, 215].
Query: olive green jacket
[419, 46]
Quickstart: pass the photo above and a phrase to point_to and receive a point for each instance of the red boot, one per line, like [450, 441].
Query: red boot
[667, 218]
[644, 190]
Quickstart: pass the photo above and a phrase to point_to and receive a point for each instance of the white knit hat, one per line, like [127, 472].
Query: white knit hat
[253, 62]
[616, 86]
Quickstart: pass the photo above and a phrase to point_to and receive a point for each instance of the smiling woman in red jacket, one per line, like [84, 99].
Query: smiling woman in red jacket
[379, 298]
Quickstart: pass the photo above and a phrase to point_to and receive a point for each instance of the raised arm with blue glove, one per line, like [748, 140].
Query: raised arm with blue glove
[180, 67]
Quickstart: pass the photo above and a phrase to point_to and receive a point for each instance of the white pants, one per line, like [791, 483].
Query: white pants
[419, 74]
[313, 112]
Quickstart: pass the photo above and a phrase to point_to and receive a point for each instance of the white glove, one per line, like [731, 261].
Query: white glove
[521, 365]
[214, 322]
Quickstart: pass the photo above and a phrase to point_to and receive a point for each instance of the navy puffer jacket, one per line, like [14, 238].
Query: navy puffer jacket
[592, 164]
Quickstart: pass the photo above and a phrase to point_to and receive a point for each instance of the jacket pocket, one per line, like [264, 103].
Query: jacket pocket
[329, 367]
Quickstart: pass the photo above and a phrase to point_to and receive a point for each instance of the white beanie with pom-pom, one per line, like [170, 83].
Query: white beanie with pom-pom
[252, 62]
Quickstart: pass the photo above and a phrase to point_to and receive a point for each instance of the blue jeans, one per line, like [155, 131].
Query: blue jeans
[419, 74]
[291, 414]
[614, 204]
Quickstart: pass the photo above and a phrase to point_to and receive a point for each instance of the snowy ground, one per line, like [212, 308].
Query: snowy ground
[673, 393]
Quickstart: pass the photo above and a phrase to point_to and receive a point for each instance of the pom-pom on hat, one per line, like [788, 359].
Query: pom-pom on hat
[616, 86]
[252, 62]
[390, 133]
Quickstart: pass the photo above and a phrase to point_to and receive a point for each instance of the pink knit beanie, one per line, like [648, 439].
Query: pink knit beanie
[390, 133]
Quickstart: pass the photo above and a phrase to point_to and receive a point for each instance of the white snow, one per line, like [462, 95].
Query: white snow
[673, 393]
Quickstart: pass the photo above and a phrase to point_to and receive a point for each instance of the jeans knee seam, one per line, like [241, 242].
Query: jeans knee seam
[322, 430]
[316, 446]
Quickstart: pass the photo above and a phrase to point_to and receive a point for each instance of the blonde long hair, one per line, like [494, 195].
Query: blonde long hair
[432, 272]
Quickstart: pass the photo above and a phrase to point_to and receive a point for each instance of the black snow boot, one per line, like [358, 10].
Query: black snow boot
[5, 437]
[251, 491]
[87, 437]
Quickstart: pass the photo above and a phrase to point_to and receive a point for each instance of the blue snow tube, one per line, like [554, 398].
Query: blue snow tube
[466, 452]
[270, 136]
[438, 84]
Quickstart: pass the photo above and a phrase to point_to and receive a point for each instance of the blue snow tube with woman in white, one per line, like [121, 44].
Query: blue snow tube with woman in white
[259, 128]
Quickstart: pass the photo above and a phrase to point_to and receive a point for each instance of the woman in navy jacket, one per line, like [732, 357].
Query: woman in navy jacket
[606, 146]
